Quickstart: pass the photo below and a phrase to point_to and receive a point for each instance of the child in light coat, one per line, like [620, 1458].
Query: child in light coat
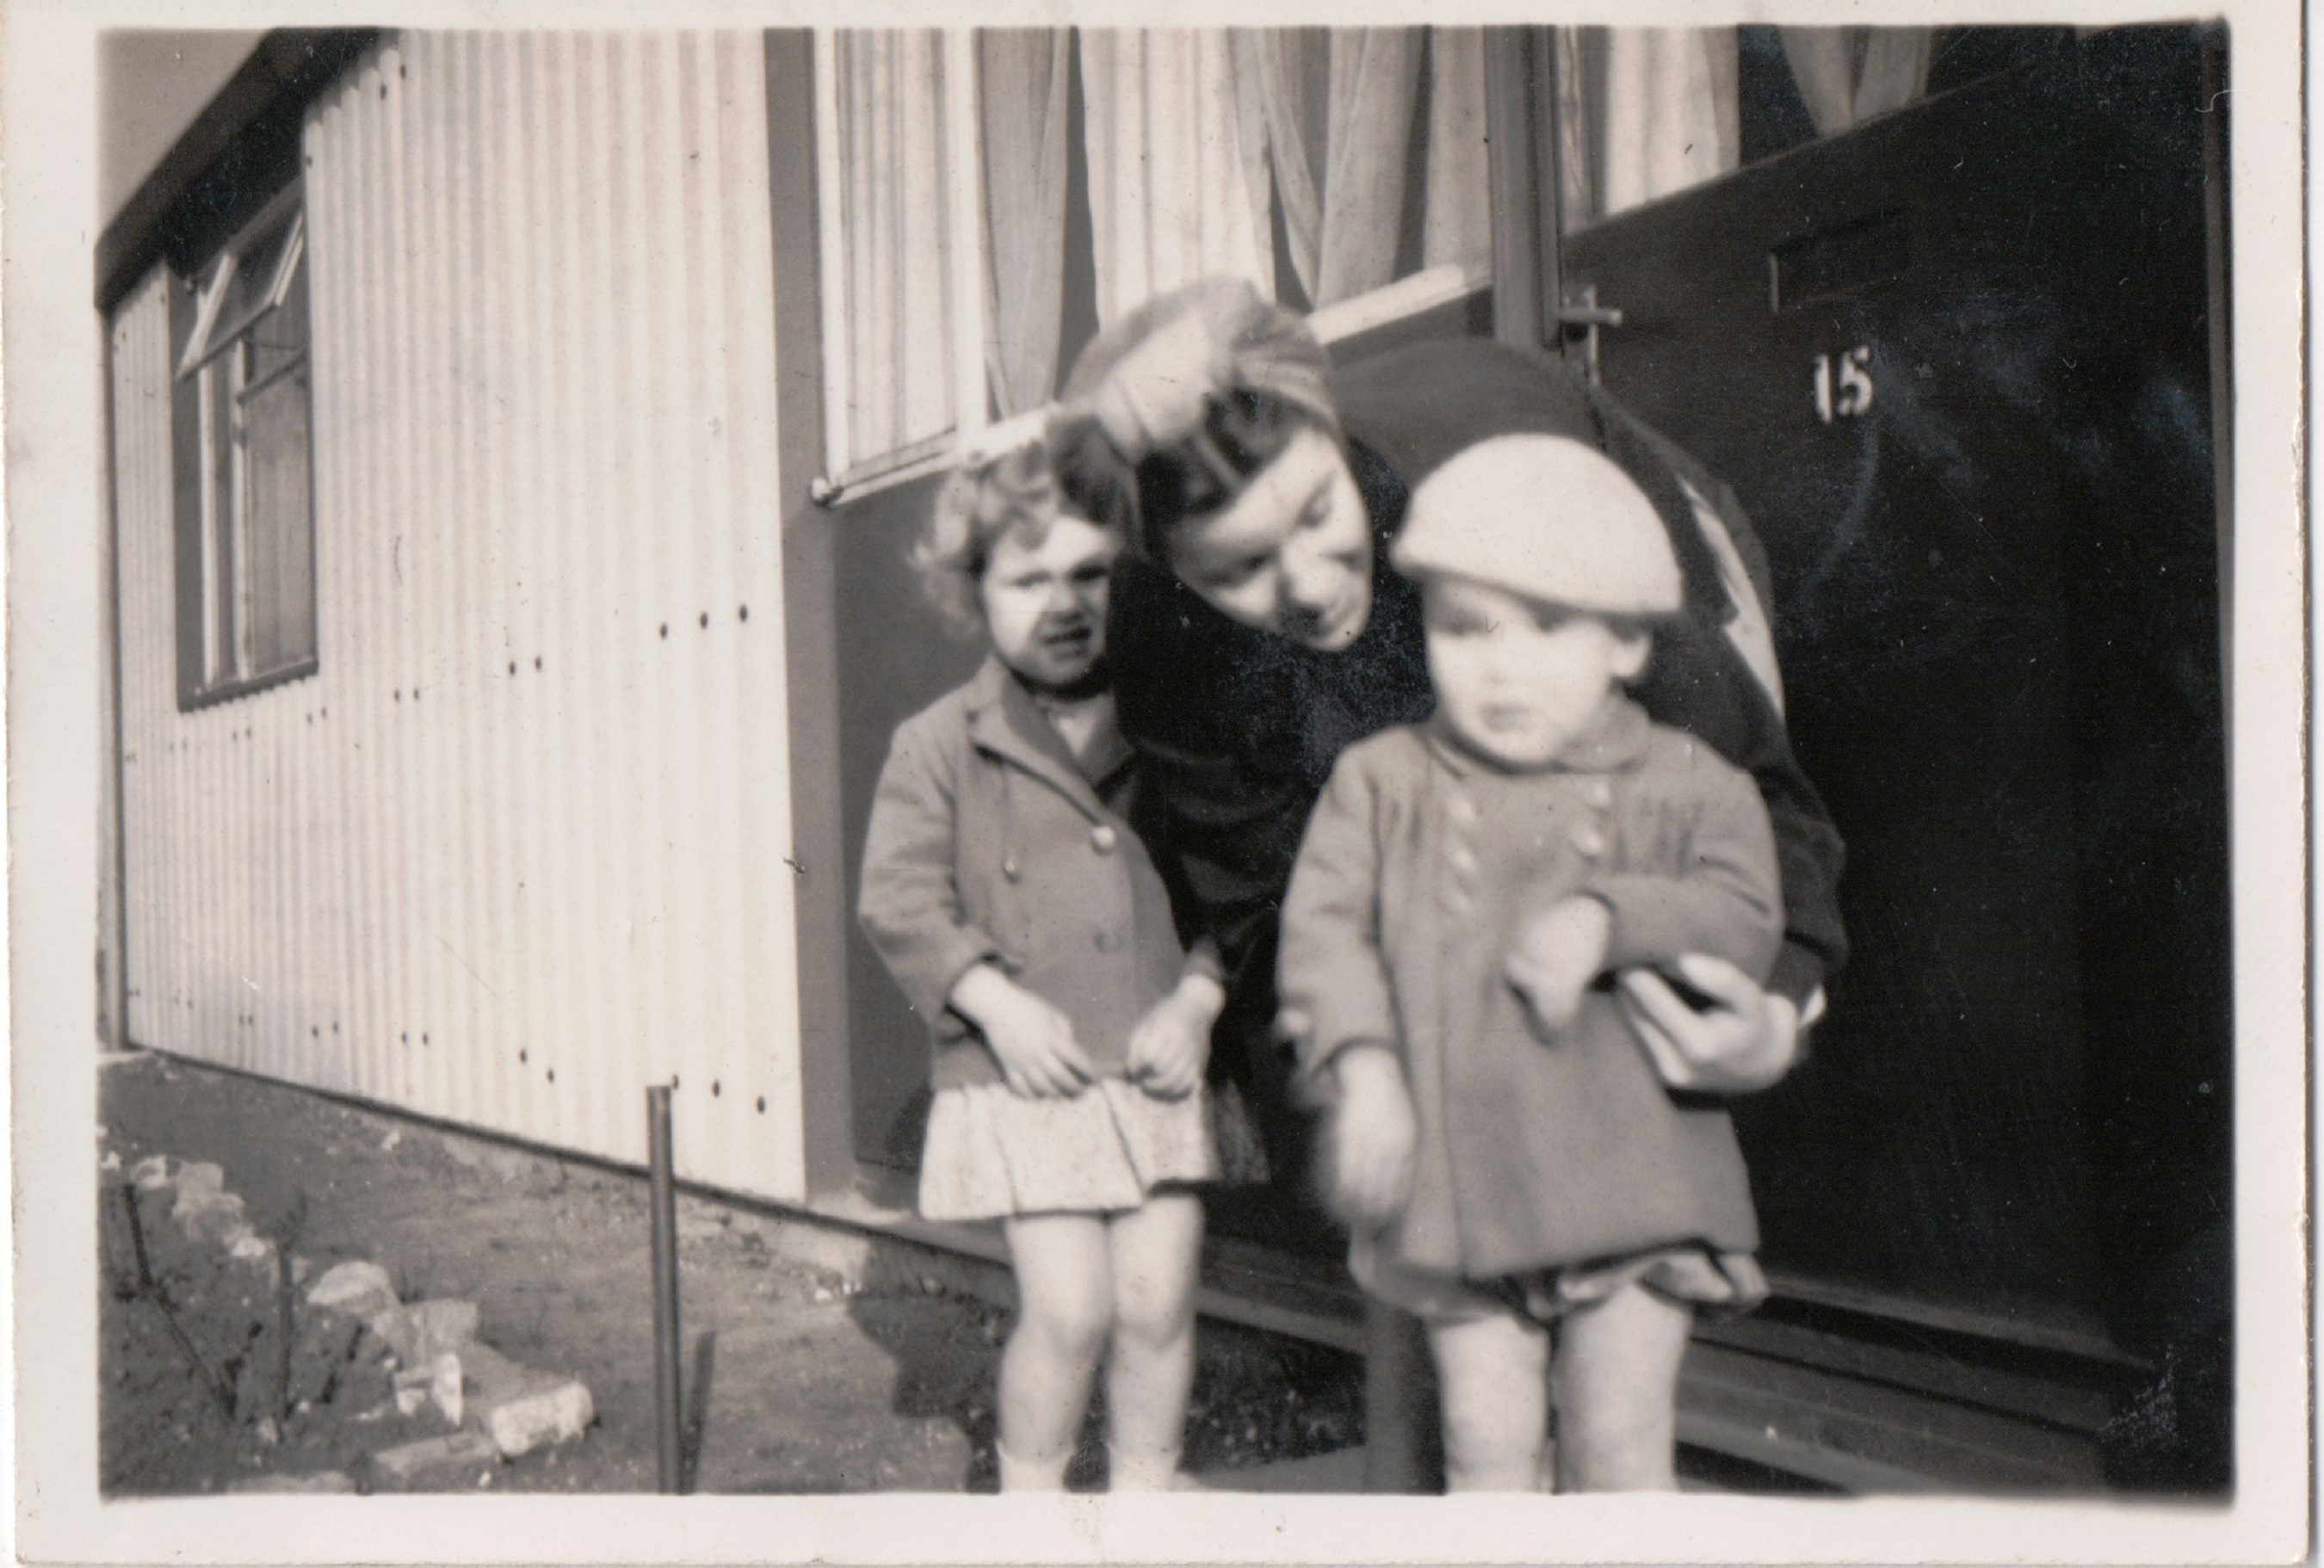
[1008, 894]
[1515, 1172]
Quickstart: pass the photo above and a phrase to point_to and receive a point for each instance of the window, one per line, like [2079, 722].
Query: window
[246, 497]
[989, 198]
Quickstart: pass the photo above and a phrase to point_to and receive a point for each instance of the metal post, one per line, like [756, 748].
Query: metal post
[665, 1286]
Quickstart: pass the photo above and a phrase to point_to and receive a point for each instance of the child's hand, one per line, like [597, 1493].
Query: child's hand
[1172, 1042]
[1557, 954]
[1370, 1139]
[1032, 1041]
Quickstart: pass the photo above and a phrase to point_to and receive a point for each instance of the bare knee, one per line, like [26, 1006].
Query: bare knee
[1070, 1323]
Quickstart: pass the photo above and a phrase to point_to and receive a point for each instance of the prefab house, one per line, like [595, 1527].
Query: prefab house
[515, 438]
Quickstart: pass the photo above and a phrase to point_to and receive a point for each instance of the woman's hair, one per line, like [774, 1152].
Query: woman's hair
[1241, 432]
[1171, 411]
[989, 496]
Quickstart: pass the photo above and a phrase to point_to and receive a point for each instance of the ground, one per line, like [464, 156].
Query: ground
[815, 1382]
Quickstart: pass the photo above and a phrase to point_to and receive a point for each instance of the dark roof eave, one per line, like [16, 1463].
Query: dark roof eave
[287, 70]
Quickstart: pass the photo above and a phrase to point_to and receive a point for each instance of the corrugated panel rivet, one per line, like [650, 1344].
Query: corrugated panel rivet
[535, 661]
[423, 1040]
[524, 1056]
[665, 631]
[743, 614]
[713, 1088]
[415, 694]
[763, 1105]
[673, 1080]
[327, 713]
[552, 1074]
[399, 694]
[407, 1038]
[705, 619]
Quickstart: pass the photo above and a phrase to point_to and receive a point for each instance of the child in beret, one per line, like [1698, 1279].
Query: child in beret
[1513, 1166]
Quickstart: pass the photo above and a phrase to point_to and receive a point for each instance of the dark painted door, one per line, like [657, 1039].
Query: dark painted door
[1957, 364]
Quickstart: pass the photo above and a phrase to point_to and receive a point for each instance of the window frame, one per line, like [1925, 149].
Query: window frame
[216, 658]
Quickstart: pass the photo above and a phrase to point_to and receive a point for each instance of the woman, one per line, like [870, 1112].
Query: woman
[1257, 632]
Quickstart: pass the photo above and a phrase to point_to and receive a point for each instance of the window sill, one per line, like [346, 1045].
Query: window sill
[227, 691]
[1419, 305]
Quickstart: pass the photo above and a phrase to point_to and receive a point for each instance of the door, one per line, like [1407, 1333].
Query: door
[1957, 365]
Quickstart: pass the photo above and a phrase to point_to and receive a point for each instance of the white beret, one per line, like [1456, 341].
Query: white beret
[1544, 517]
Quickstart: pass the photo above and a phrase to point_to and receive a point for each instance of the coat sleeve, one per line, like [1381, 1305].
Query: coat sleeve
[1332, 977]
[1726, 899]
[1698, 682]
[910, 906]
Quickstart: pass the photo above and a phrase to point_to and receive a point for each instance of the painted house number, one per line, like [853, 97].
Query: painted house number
[1852, 396]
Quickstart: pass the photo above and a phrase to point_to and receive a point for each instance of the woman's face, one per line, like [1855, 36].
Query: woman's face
[1045, 603]
[1291, 554]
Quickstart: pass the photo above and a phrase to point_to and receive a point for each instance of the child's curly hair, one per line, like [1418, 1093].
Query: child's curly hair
[1010, 492]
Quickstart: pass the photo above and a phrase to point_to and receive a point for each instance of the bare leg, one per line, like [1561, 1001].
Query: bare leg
[1399, 1404]
[1617, 1365]
[1495, 1372]
[1065, 1311]
[1157, 1257]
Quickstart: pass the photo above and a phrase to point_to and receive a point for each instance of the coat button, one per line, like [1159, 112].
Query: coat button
[1589, 841]
[1461, 809]
[1103, 838]
[1599, 793]
[1107, 941]
[1009, 868]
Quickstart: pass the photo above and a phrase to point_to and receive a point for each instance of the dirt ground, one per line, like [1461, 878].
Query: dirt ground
[814, 1384]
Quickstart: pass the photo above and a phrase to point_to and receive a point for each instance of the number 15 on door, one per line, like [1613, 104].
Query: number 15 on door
[1843, 384]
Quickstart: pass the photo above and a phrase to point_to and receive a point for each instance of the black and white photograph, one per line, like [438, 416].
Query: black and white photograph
[853, 784]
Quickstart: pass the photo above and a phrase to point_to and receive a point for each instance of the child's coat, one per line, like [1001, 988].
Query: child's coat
[1418, 869]
[987, 843]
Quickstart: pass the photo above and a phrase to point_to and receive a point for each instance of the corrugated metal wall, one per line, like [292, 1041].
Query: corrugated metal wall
[519, 848]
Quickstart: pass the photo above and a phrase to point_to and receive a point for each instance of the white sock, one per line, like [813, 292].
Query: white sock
[1147, 1470]
[1031, 1475]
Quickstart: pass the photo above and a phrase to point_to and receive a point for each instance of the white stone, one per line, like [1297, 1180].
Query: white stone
[153, 1172]
[325, 1481]
[357, 1288]
[250, 1247]
[209, 1217]
[201, 1177]
[443, 1386]
[557, 1415]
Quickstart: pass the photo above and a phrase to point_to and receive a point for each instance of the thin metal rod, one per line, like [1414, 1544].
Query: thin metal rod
[665, 1286]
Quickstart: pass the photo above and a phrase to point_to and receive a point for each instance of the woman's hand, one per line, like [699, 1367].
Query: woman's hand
[1370, 1139]
[1172, 1042]
[1557, 954]
[1032, 1041]
[1746, 1040]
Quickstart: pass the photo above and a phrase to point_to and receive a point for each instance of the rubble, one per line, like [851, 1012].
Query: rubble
[408, 1463]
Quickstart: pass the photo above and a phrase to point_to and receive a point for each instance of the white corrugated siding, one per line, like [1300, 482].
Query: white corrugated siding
[518, 849]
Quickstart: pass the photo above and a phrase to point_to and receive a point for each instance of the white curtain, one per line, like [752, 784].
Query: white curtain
[1026, 78]
[1339, 164]
[1459, 222]
[1178, 170]
[894, 314]
[1847, 75]
[1671, 114]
